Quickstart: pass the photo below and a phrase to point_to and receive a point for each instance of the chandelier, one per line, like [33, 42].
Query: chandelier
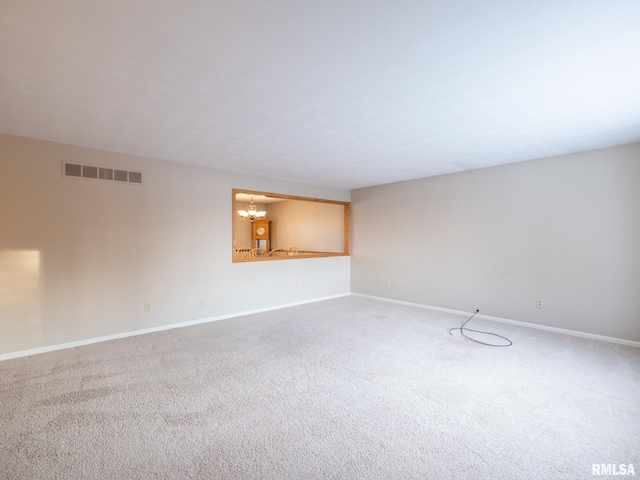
[251, 213]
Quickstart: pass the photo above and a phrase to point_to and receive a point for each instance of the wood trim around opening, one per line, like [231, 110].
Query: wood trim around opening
[347, 226]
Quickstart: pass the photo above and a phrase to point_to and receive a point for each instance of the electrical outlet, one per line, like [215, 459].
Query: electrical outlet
[147, 307]
[387, 283]
[539, 303]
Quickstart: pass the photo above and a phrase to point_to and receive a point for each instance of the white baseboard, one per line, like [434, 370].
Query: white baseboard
[89, 341]
[536, 326]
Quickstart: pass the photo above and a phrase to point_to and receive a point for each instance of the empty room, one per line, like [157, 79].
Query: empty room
[304, 240]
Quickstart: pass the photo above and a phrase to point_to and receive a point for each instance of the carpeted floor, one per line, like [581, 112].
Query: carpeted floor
[349, 388]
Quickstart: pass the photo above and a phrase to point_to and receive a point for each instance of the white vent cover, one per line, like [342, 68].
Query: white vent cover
[105, 173]
[89, 171]
[72, 170]
[78, 170]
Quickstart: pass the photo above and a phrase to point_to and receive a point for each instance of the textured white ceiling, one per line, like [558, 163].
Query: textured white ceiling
[341, 93]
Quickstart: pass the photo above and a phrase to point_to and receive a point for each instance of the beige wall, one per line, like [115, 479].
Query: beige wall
[310, 226]
[563, 229]
[79, 258]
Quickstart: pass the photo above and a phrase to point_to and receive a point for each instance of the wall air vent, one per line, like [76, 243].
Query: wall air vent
[89, 172]
[72, 170]
[135, 177]
[105, 173]
[101, 173]
[121, 176]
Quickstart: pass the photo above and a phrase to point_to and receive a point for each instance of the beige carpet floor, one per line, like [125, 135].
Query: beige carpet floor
[349, 388]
